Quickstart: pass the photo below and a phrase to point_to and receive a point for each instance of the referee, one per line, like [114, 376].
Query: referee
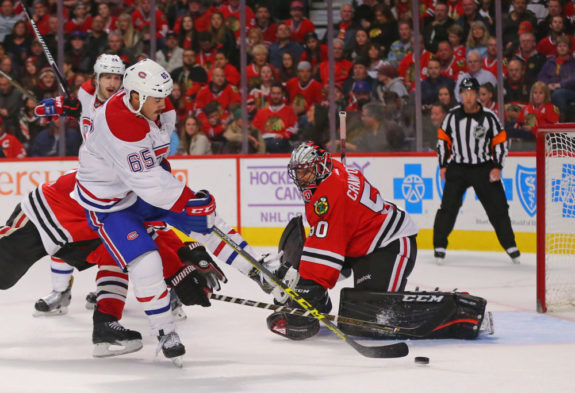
[471, 146]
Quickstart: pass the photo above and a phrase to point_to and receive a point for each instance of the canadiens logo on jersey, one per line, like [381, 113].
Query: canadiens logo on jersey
[132, 235]
[321, 207]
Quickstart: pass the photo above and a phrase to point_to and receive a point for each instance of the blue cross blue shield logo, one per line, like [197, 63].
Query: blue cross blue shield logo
[413, 188]
[526, 184]
[563, 190]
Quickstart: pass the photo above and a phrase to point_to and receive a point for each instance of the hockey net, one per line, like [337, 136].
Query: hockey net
[556, 217]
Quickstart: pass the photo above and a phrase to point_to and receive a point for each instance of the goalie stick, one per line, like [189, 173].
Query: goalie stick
[19, 87]
[62, 83]
[416, 332]
[385, 351]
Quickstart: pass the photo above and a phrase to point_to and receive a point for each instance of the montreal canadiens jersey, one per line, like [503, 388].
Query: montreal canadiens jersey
[88, 99]
[120, 160]
[348, 218]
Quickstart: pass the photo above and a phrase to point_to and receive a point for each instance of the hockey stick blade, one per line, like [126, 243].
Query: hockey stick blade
[384, 351]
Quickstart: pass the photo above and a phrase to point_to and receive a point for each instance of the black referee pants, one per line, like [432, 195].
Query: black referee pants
[458, 178]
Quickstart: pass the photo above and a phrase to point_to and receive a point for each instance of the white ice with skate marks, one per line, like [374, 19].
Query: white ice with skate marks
[229, 348]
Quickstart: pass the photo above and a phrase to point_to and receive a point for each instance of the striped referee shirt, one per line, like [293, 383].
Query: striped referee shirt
[471, 138]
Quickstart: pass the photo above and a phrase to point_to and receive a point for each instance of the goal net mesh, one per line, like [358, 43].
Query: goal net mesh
[559, 219]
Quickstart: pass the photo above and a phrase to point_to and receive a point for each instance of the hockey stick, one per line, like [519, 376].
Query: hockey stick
[386, 351]
[19, 87]
[62, 83]
[413, 332]
[342, 134]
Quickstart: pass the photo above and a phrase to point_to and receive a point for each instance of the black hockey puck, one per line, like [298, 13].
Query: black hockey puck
[421, 360]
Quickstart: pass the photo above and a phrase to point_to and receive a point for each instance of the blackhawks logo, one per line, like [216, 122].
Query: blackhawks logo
[321, 207]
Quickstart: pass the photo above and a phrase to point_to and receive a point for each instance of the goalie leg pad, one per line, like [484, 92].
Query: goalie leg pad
[426, 314]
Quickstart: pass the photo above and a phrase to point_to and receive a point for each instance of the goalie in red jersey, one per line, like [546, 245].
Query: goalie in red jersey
[353, 229]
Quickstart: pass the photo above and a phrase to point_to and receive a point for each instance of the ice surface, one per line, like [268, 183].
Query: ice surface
[230, 349]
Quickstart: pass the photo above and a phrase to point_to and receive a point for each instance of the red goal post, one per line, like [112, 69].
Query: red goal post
[555, 217]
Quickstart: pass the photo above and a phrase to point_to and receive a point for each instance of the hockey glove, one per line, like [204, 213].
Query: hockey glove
[190, 286]
[59, 106]
[283, 271]
[201, 212]
[296, 327]
[193, 253]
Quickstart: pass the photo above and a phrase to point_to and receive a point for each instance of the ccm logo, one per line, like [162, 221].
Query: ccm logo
[423, 298]
[132, 235]
[201, 211]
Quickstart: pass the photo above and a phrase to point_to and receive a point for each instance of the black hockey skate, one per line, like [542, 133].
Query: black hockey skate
[172, 348]
[108, 334]
[91, 300]
[56, 303]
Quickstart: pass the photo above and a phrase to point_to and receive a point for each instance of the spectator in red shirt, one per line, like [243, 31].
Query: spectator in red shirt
[199, 14]
[40, 17]
[107, 18]
[490, 60]
[451, 66]
[214, 119]
[265, 23]
[142, 16]
[188, 36]
[277, 122]
[533, 60]
[547, 45]
[259, 59]
[455, 38]
[486, 97]
[299, 25]
[303, 91]
[314, 52]
[345, 29]
[260, 93]
[81, 21]
[342, 65]
[540, 112]
[231, 73]
[10, 146]
[116, 47]
[207, 53]
[217, 90]
[231, 13]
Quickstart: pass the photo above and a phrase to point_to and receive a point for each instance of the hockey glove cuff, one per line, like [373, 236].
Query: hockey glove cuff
[59, 106]
[190, 286]
[193, 253]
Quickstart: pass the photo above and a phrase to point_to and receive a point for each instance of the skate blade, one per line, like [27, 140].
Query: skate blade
[179, 314]
[54, 313]
[487, 324]
[439, 261]
[106, 350]
[178, 361]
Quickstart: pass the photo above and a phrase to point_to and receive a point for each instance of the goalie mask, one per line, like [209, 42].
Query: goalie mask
[148, 79]
[308, 167]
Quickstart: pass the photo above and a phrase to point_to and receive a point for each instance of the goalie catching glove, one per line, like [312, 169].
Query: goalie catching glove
[193, 253]
[59, 106]
[296, 327]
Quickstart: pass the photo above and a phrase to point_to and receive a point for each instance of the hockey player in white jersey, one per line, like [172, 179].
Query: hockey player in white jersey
[107, 80]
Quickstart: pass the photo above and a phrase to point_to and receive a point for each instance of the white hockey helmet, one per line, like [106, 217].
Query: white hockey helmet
[108, 64]
[308, 155]
[148, 79]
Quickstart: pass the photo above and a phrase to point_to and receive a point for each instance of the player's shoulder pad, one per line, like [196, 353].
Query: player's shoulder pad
[124, 124]
[89, 87]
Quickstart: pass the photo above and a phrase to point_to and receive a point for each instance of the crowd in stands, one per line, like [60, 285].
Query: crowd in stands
[198, 43]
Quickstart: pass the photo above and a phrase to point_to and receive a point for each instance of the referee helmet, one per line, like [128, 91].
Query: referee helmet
[469, 84]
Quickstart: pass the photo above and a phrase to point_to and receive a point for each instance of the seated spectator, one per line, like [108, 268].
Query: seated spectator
[259, 59]
[46, 143]
[470, 14]
[234, 137]
[17, 43]
[406, 67]
[6, 66]
[81, 20]
[516, 90]
[260, 91]
[474, 70]
[170, 56]
[379, 134]
[254, 37]
[79, 54]
[192, 140]
[558, 74]
[402, 46]
[359, 96]
[109, 20]
[10, 146]
[299, 25]
[199, 13]
[360, 47]
[116, 47]
[277, 122]
[445, 96]
[547, 46]
[188, 35]
[451, 66]
[511, 23]
[207, 53]
[435, 30]
[487, 11]
[456, 38]
[375, 61]
[364, 13]
[30, 74]
[532, 59]
[487, 94]
[231, 12]
[217, 90]
[314, 52]
[554, 8]
[222, 36]
[191, 76]
[41, 16]
[10, 102]
[288, 69]
[284, 44]
[358, 74]
[490, 60]
[7, 19]
[130, 37]
[231, 73]
[384, 30]
[179, 102]
[29, 124]
[266, 25]
[213, 120]
[303, 91]
[437, 113]
[540, 112]
[342, 65]
[345, 29]
[389, 80]
[97, 38]
[430, 86]
[142, 17]
[478, 37]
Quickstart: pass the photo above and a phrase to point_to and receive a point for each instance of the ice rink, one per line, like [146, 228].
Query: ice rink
[229, 348]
